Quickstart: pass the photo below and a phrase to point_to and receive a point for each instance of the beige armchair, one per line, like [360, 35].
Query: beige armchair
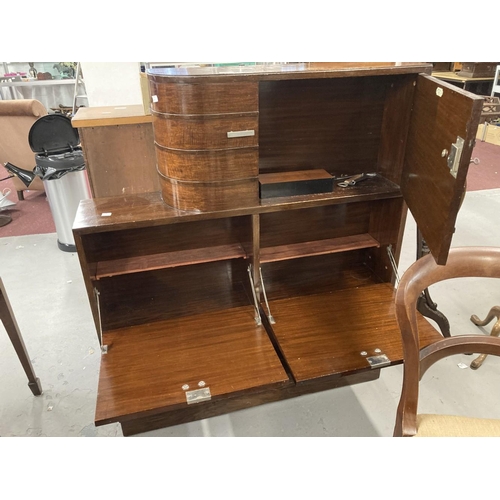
[16, 119]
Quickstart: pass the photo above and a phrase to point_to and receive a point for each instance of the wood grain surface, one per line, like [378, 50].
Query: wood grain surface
[205, 132]
[318, 247]
[172, 268]
[441, 113]
[325, 334]
[149, 210]
[210, 98]
[105, 116]
[176, 292]
[295, 71]
[146, 367]
[208, 165]
[120, 159]
[333, 125]
[208, 196]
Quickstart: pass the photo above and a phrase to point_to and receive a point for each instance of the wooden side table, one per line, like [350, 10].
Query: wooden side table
[480, 86]
[119, 150]
[9, 321]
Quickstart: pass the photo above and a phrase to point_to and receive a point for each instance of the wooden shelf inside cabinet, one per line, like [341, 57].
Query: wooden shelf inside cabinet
[149, 209]
[320, 247]
[376, 188]
[107, 269]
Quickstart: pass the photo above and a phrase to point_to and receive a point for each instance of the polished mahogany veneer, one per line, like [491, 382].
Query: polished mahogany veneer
[206, 287]
[206, 138]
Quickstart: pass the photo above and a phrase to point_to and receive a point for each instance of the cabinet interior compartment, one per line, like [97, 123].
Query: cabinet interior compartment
[330, 314]
[327, 306]
[177, 318]
[139, 298]
[176, 332]
[148, 248]
[344, 125]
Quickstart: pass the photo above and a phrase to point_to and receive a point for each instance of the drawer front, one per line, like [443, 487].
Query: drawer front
[206, 132]
[209, 165]
[209, 98]
[209, 196]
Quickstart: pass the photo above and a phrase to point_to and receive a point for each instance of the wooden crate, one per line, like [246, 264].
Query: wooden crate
[478, 69]
[492, 134]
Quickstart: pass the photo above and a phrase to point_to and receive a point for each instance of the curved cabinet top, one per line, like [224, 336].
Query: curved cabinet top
[284, 71]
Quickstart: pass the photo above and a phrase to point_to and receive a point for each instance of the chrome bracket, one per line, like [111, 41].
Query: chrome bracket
[392, 260]
[104, 348]
[256, 302]
[270, 316]
[455, 156]
[198, 395]
[258, 319]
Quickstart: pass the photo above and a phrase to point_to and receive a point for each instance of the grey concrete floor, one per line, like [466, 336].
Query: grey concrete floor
[46, 291]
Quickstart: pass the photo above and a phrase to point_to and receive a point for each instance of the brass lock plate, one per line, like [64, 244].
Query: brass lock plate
[455, 156]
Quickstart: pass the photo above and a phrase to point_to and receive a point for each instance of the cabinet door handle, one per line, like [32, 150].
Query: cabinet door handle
[240, 133]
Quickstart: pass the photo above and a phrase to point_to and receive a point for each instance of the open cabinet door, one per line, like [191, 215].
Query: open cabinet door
[440, 142]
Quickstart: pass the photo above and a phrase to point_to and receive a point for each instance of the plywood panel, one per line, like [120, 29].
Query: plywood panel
[121, 159]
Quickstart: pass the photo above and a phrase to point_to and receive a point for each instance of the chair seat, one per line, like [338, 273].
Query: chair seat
[453, 426]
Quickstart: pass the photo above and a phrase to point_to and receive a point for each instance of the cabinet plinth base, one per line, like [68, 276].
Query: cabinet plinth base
[202, 411]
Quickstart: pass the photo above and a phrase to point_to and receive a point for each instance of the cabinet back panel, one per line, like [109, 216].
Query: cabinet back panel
[139, 298]
[168, 238]
[311, 275]
[395, 127]
[330, 124]
[318, 223]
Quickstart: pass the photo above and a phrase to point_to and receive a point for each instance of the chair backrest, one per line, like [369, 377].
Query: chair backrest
[496, 83]
[463, 262]
[16, 119]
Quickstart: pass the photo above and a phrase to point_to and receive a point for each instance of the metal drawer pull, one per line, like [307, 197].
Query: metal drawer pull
[240, 133]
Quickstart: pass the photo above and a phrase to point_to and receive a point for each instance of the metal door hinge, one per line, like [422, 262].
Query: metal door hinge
[198, 395]
[378, 359]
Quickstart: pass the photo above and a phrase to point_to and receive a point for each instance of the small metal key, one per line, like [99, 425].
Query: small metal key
[352, 181]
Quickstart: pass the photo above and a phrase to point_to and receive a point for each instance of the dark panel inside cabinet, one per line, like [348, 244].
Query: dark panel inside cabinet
[330, 124]
[295, 183]
[138, 298]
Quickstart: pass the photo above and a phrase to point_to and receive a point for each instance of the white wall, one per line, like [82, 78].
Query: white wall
[112, 83]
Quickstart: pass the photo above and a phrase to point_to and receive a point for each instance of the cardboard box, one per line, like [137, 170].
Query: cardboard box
[492, 134]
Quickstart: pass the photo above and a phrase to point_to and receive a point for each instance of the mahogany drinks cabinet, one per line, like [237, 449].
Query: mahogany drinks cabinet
[208, 299]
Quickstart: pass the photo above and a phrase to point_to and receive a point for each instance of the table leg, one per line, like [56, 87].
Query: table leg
[425, 305]
[10, 324]
[495, 331]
